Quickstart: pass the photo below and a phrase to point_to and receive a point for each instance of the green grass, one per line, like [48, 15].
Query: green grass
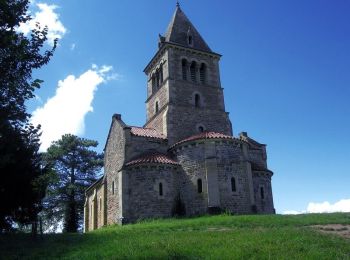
[208, 237]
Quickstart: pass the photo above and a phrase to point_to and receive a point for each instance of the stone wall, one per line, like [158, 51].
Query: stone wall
[142, 198]
[264, 202]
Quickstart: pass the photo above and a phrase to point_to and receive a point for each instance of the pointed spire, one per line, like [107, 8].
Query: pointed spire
[182, 32]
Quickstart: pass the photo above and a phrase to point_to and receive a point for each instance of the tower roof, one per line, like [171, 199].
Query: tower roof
[180, 29]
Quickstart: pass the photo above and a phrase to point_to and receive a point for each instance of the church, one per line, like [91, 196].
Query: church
[185, 160]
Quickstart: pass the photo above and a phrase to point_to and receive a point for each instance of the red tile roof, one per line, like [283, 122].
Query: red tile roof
[205, 135]
[146, 132]
[153, 158]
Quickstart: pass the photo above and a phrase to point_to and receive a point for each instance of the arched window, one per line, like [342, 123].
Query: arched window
[113, 187]
[156, 107]
[233, 185]
[157, 78]
[199, 186]
[197, 100]
[200, 129]
[262, 193]
[160, 189]
[184, 69]
[193, 68]
[202, 73]
[153, 82]
[161, 73]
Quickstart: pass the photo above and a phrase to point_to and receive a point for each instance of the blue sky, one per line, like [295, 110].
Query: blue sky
[284, 70]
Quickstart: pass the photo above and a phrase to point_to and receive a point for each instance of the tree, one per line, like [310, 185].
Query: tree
[20, 192]
[74, 167]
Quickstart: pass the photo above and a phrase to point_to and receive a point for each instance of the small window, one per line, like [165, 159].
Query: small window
[200, 129]
[157, 107]
[202, 73]
[113, 187]
[160, 189]
[157, 79]
[161, 73]
[262, 193]
[193, 68]
[153, 82]
[190, 40]
[233, 185]
[100, 204]
[184, 69]
[91, 210]
[197, 100]
[199, 185]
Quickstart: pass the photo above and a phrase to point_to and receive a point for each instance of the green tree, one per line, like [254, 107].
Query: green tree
[20, 169]
[74, 167]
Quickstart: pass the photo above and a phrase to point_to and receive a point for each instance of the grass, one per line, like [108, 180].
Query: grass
[208, 237]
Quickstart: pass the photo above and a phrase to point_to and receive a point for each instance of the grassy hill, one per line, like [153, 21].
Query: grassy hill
[208, 237]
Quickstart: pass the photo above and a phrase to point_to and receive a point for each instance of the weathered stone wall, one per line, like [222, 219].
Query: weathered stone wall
[138, 145]
[264, 203]
[142, 198]
[194, 157]
[114, 161]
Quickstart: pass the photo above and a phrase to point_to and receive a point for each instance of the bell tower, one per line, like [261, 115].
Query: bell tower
[184, 93]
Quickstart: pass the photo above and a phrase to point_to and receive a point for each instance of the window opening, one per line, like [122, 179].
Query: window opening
[160, 189]
[190, 40]
[262, 193]
[184, 69]
[161, 73]
[113, 187]
[197, 100]
[157, 107]
[201, 129]
[193, 71]
[202, 73]
[199, 185]
[233, 184]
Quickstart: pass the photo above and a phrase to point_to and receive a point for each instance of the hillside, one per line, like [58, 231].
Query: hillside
[208, 237]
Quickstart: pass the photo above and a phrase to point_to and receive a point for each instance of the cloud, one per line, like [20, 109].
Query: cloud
[323, 207]
[326, 207]
[72, 47]
[46, 16]
[65, 112]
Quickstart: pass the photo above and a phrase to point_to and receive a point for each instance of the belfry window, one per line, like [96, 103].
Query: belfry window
[262, 193]
[197, 100]
[193, 68]
[233, 185]
[161, 74]
[202, 73]
[153, 82]
[184, 69]
[157, 78]
[160, 189]
[199, 186]
[156, 107]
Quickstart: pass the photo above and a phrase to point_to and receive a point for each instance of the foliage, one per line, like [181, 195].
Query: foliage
[20, 191]
[74, 167]
[208, 237]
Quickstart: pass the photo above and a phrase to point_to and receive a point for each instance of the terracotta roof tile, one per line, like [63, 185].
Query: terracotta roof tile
[146, 132]
[205, 135]
[152, 158]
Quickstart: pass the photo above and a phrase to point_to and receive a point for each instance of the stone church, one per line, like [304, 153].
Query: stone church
[185, 159]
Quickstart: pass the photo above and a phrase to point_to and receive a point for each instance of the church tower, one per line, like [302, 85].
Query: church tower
[184, 93]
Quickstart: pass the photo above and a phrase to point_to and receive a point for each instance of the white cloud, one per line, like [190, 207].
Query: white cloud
[326, 207]
[65, 112]
[323, 207]
[46, 16]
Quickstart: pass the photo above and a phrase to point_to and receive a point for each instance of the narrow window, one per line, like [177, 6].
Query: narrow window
[161, 73]
[233, 184]
[157, 107]
[91, 210]
[197, 100]
[160, 189]
[153, 83]
[202, 73]
[193, 71]
[113, 187]
[190, 40]
[100, 204]
[262, 193]
[157, 78]
[199, 185]
[201, 129]
[184, 69]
